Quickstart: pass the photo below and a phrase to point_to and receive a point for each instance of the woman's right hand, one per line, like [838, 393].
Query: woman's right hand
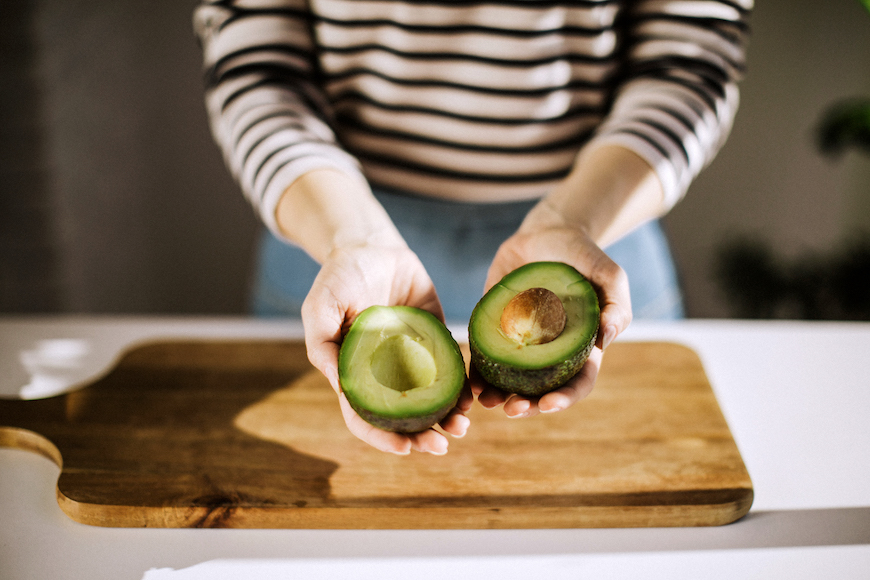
[364, 261]
[350, 280]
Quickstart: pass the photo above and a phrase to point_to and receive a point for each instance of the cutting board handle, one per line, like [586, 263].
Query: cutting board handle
[17, 418]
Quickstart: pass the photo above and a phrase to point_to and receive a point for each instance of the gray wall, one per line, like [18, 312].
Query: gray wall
[769, 181]
[143, 218]
[148, 220]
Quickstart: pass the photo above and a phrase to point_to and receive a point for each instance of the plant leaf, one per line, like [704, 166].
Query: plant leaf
[844, 125]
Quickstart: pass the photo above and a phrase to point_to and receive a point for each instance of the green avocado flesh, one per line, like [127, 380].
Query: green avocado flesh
[535, 369]
[400, 368]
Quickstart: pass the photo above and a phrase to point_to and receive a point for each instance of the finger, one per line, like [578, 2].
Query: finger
[324, 357]
[576, 389]
[475, 381]
[455, 423]
[518, 407]
[323, 326]
[607, 334]
[612, 284]
[492, 397]
[466, 399]
[498, 270]
[507, 258]
[386, 441]
[487, 395]
[418, 291]
[614, 320]
[429, 441]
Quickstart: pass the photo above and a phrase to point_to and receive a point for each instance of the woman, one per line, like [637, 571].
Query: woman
[393, 147]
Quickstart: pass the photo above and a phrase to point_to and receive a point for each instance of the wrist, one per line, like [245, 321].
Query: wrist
[326, 210]
[549, 214]
[610, 191]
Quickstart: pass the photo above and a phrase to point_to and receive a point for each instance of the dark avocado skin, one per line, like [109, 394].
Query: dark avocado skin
[404, 424]
[529, 382]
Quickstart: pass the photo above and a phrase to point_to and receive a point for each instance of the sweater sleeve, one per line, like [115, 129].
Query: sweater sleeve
[266, 114]
[678, 94]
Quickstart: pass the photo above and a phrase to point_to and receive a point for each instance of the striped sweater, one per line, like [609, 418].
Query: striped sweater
[467, 99]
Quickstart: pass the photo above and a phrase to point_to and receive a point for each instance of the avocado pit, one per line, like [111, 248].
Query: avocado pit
[518, 312]
[533, 316]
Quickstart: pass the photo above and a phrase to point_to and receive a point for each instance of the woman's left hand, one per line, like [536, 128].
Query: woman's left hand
[572, 246]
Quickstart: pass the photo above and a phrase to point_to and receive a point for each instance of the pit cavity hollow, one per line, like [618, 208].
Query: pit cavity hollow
[401, 363]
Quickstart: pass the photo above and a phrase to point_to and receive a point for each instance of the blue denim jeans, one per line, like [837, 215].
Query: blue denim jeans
[456, 242]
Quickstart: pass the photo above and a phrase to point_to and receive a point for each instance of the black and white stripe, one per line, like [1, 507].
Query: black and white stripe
[481, 101]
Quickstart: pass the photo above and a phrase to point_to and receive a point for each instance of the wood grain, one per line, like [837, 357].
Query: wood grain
[248, 434]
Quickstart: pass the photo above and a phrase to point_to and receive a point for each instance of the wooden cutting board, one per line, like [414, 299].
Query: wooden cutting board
[249, 435]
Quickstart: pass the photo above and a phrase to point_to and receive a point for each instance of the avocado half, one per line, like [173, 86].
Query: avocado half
[534, 369]
[400, 368]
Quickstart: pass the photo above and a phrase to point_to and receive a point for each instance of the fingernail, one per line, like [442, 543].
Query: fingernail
[609, 335]
[524, 407]
[551, 409]
[464, 424]
[438, 447]
[489, 404]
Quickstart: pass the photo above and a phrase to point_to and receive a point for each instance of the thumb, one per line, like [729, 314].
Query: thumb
[324, 357]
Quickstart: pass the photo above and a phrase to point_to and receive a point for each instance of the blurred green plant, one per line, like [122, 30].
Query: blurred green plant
[845, 125]
[759, 283]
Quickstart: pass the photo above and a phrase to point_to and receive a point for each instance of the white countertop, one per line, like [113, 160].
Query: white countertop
[796, 396]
